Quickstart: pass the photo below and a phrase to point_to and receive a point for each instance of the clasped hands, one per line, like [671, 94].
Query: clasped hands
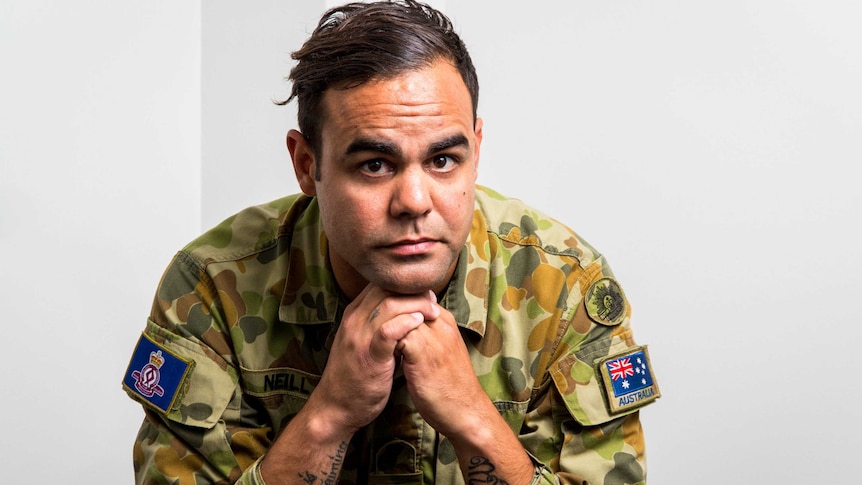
[378, 329]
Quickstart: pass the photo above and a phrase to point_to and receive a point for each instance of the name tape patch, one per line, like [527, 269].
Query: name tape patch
[155, 373]
[281, 380]
[628, 380]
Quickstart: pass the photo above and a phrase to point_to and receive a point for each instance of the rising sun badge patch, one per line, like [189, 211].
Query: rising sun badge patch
[628, 380]
[605, 302]
[155, 374]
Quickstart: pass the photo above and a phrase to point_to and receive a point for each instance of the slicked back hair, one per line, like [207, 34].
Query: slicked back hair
[357, 42]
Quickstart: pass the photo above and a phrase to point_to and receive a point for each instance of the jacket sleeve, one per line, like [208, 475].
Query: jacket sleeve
[197, 427]
[583, 426]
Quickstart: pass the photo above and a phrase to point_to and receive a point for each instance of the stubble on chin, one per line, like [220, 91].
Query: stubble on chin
[407, 280]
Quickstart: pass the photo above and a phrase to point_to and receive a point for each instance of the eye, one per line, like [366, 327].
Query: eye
[374, 167]
[443, 163]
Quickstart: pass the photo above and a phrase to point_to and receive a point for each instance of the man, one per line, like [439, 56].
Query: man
[394, 323]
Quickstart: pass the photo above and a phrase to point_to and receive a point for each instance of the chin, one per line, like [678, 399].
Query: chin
[410, 277]
[410, 284]
[411, 287]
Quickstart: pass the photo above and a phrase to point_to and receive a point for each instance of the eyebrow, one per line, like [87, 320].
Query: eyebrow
[371, 145]
[447, 143]
[391, 149]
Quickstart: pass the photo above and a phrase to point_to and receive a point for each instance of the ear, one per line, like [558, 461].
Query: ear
[478, 133]
[303, 161]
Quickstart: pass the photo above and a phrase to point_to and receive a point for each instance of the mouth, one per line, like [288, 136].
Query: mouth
[412, 247]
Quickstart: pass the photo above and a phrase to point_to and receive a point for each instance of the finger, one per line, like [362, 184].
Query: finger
[434, 310]
[415, 344]
[391, 305]
[364, 304]
[386, 339]
[442, 334]
[427, 305]
[397, 328]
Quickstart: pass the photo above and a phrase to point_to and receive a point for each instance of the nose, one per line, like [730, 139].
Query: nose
[411, 196]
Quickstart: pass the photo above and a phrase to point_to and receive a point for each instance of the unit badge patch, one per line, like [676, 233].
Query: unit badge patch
[628, 380]
[605, 302]
[155, 373]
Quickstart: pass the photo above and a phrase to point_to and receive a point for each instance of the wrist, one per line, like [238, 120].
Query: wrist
[309, 442]
[325, 423]
[479, 429]
[490, 452]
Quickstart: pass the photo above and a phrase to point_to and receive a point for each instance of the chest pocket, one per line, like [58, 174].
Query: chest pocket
[394, 464]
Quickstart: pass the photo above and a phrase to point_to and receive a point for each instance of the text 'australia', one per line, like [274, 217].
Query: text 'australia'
[636, 396]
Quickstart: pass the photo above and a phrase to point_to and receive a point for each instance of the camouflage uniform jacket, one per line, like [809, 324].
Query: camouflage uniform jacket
[244, 317]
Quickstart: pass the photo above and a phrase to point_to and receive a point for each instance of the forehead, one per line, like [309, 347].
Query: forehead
[430, 99]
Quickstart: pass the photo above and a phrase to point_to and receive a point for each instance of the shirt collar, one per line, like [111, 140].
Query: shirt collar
[311, 295]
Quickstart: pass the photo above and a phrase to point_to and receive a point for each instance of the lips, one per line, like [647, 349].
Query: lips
[412, 247]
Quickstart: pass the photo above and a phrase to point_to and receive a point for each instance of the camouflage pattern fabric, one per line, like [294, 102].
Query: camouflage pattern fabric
[251, 308]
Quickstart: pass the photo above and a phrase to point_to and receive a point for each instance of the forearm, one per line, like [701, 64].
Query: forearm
[311, 449]
[488, 451]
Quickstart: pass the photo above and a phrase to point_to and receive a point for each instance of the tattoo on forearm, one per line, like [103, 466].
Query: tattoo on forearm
[308, 477]
[329, 477]
[481, 470]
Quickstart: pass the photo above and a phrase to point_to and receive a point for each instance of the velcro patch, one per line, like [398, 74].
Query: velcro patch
[280, 380]
[628, 380]
[156, 374]
[605, 302]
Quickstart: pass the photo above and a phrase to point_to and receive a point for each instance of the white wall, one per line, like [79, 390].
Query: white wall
[246, 56]
[99, 185]
[246, 59]
[708, 149]
[712, 151]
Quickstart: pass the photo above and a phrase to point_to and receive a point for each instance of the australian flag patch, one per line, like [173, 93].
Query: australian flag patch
[155, 374]
[628, 380]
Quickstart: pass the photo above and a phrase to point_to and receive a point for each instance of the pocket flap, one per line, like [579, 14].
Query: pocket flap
[178, 379]
[600, 386]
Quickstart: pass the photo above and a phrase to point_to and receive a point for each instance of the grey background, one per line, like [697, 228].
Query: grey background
[709, 149]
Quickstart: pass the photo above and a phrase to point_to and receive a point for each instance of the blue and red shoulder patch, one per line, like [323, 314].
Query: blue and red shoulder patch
[628, 380]
[155, 374]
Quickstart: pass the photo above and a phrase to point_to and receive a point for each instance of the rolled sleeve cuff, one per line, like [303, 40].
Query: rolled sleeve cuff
[541, 473]
[252, 475]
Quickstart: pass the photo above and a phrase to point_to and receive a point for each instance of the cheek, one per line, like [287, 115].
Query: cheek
[349, 215]
[459, 209]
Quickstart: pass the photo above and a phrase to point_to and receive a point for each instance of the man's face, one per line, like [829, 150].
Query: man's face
[398, 163]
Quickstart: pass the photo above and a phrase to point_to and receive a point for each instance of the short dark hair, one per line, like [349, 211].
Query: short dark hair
[357, 42]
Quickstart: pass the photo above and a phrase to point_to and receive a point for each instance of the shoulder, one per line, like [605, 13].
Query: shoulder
[515, 223]
[248, 232]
